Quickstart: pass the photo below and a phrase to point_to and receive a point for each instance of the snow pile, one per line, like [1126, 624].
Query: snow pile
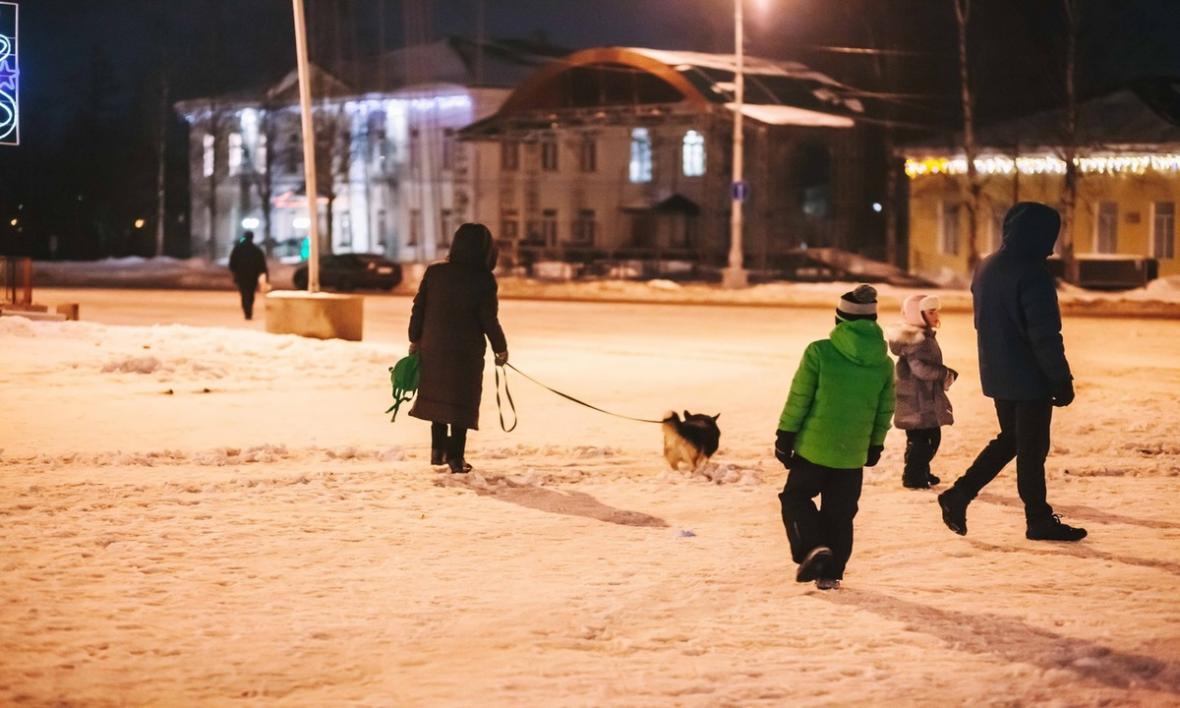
[138, 272]
[727, 473]
[132, 365]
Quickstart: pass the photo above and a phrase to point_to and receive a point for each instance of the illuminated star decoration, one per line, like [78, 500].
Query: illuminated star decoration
[9, 74]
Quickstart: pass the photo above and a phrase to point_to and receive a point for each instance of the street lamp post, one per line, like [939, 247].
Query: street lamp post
[309, 173]
[734, 275]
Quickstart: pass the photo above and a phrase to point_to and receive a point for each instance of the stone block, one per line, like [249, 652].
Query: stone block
[319, 315]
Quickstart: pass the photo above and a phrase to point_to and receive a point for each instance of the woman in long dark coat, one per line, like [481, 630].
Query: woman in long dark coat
[455, 309]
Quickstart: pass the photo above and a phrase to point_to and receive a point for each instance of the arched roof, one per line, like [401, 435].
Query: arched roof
[623, 73]
[634, 75]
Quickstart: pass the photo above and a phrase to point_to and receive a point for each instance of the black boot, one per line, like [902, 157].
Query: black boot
[911, 482]
[1051, 529]
[456, 449]
[932, 480]
[439, 444]
[814, 566]
[954, 511]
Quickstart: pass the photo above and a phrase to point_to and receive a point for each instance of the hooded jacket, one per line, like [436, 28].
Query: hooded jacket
[455, 309]
[1017, 320]
[841, 398]
[919, 379]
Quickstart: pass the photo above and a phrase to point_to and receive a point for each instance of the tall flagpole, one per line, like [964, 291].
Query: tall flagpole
[309, 172]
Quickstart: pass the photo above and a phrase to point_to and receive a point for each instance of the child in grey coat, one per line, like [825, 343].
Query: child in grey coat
[921, 382]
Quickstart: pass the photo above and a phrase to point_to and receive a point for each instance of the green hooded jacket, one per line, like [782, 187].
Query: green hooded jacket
[841, 399]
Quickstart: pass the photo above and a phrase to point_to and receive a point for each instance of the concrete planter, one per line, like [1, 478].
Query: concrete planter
[319, 315]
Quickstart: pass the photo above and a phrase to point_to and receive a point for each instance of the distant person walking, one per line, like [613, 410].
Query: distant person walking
[454, 311]
[247, 262]
[1022, 366]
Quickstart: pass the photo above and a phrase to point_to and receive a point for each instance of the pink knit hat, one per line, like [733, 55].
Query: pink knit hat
[913, 307]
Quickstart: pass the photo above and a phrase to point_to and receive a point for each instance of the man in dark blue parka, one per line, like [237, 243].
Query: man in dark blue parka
[1023, 368]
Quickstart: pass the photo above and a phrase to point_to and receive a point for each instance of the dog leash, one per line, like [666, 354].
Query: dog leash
[551, 390]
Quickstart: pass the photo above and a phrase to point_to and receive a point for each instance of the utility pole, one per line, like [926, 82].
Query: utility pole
[309, 175]
[734, 275]
[161, 155]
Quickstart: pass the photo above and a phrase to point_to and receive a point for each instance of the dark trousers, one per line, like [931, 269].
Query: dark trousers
[920, 446]
[454, 443]
[831, 524]
[247, 293]
[1024, 435]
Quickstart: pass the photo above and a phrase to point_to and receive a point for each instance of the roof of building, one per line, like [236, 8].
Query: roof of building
[452, 60]
[1145, 114]
[593, 85]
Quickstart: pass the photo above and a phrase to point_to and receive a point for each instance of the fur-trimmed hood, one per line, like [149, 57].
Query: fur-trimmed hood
[905, 337]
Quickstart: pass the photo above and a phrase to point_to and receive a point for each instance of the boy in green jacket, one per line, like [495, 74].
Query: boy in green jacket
[832, 426]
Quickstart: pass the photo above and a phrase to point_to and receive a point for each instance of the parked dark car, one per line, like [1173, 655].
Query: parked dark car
[353, 271]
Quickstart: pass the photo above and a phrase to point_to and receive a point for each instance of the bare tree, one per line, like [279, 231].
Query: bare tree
[972, 188]
[1069, 195]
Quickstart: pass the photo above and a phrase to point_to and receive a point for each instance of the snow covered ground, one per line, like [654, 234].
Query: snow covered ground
[196, 512]
[1160, 298]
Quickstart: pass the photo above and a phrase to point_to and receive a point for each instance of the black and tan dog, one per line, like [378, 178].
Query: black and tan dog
[692, 440]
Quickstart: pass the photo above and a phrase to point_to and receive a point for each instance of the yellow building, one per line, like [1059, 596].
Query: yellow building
[1128, 163]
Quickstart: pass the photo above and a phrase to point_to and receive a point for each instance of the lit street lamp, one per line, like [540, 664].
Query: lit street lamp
[734, 275]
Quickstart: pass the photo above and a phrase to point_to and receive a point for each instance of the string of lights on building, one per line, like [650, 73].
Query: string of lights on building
[1108, 164]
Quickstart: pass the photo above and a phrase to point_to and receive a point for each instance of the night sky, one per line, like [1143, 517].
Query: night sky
[91, 69]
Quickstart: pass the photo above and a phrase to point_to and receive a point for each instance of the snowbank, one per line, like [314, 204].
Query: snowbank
[1160, 298]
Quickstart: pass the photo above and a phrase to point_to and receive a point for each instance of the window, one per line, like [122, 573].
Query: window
[1163, 231]
[235, 154]
[382, 225]
[448, 149]
[415, 227]
[444, 224]
[260, 155]
[207, 156]
[640, 168]
[509, 156]
[585, 227]
[346, 230]
[509, 225]
[950, 228]
[549, 226]
[812, 167]
[693, 154]
[588, 155]
[415, 149]
[292, 154]
[1107, 235]
[378, 145]
[549, 155]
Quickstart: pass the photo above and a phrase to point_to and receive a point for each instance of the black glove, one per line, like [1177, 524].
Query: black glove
[874, 455]
[1062, 393]
[784, 447]
[502, 358]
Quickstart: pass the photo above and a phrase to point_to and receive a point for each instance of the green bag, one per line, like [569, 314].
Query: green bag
[404, 377]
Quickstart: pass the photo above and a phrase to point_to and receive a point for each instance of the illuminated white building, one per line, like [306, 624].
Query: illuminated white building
[393, 178]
